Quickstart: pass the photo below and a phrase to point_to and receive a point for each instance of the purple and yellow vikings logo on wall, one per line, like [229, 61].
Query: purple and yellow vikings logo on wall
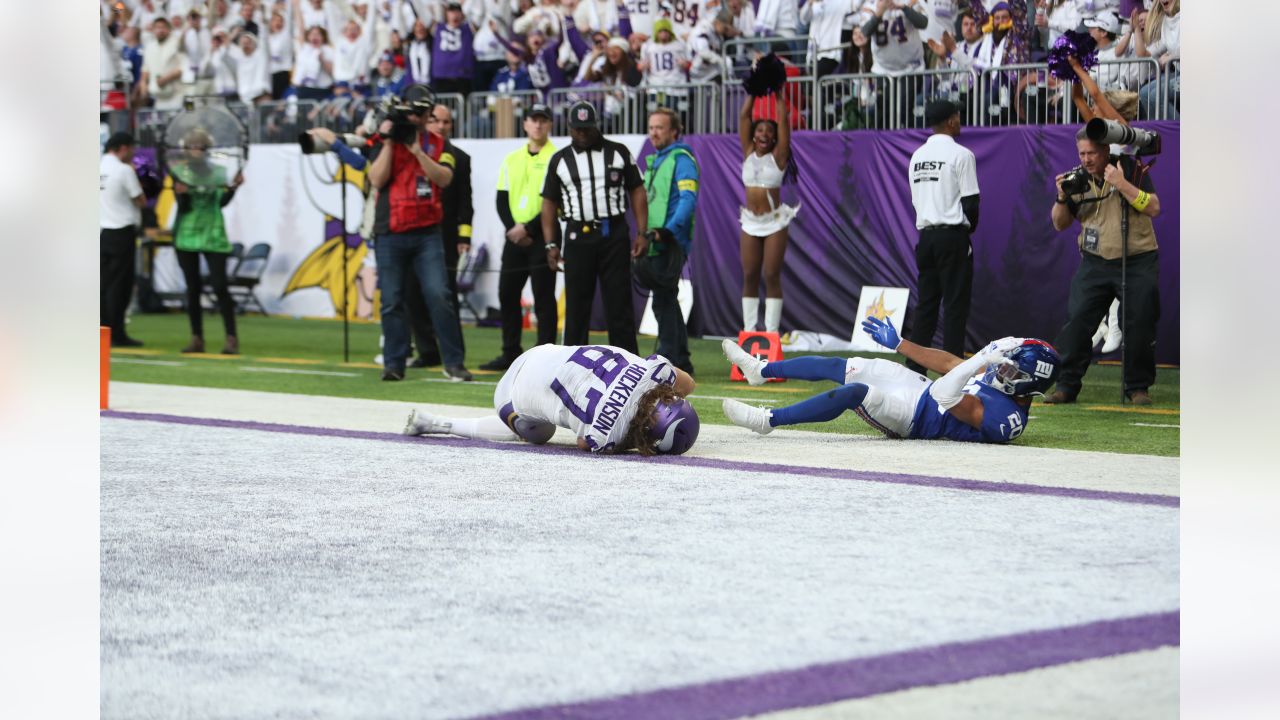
[342, 264]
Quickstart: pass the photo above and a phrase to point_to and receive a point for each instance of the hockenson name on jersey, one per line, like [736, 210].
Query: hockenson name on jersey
[617, 400]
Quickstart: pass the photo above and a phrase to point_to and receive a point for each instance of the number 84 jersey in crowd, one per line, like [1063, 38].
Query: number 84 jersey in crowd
[593, 390]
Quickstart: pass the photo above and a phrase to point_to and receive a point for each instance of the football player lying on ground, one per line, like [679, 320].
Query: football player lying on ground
[982, 399]
[612, 399]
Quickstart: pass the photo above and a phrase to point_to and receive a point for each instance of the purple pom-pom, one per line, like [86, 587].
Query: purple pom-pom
[1079, 45]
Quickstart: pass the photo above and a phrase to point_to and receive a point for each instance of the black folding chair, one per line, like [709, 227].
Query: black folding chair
[248, 273]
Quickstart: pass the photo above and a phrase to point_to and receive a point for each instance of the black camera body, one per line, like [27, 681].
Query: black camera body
[1076, 181]
[418, 100]
[403, 130]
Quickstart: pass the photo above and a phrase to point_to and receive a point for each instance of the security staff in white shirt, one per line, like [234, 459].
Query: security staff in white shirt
[120, 198]
[944, 190]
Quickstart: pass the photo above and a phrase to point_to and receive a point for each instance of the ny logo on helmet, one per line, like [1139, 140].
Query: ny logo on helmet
[1043, 369]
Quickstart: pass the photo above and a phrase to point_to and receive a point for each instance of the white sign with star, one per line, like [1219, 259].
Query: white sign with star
[886, 303]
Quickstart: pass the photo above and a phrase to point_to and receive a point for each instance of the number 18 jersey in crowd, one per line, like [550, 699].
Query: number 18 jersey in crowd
[593, 390]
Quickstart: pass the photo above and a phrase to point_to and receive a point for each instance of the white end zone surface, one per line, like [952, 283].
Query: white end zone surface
[970, 461]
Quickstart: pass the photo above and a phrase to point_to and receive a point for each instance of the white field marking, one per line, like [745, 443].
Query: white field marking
[295, 371]
[748, 400]
[140, 361]
[1154, 425]
[458, 382]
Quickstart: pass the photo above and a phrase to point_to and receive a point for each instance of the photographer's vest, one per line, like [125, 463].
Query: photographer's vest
[414, 200]
[1102, 220]
[659, 188]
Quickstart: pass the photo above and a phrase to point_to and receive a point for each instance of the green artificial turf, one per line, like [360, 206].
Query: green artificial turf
[272, 344]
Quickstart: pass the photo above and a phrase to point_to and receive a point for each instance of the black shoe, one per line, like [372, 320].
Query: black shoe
[1140, 397]
[502, 362]
[425, 361]
[1058, 397]
[457, 373]
[126, 342]
[392, 375]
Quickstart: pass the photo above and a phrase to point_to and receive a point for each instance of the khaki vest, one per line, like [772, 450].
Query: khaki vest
[1104, 217]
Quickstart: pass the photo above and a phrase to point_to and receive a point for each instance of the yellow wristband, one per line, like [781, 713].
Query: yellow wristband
[1141, 202]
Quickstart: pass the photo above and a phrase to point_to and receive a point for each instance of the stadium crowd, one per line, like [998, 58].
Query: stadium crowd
[262, 50]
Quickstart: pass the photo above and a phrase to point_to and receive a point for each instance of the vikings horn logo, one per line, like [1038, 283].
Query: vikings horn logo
[323, 267]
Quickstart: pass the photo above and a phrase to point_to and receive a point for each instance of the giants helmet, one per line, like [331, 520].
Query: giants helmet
[676, 427]
[1029, 369]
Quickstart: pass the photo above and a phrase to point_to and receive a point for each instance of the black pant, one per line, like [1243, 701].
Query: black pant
[279, 84]
[663, 278]
[518, 265]
[944, 258]
[117, 250]
[1095, 284]
[609, 260]
[419, 316]
[461, 86]
[485, 72]
[217, 262]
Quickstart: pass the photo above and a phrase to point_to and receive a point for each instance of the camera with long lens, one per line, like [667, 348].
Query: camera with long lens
[1110, 132]
[1075, 181]
[311, 144]
[417, 100]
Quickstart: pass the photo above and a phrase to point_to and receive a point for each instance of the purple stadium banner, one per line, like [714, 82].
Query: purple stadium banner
[856, 227]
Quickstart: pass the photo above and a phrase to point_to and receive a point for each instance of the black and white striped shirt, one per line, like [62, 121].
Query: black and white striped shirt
[592, 184]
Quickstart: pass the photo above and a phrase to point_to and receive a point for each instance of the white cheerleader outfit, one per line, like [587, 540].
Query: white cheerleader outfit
[763, 171]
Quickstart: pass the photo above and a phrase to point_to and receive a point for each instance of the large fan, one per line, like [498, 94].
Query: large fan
[205, 145]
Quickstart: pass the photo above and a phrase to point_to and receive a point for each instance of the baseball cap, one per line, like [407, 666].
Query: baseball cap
[538, 109]
[582, 114]
[1106, 21]
[939, 111]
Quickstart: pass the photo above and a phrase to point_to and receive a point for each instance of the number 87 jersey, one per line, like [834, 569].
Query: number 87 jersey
[593, 390]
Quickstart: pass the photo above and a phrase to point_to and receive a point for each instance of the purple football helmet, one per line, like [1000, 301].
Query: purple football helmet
[1029, 369]
[676, 428]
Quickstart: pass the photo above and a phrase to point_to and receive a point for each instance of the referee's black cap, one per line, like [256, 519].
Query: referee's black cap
[939, 111]
[582, 114]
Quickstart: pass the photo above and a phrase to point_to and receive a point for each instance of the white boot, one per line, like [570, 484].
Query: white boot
[749, 364]
[1114, 331]
[772, 314]
[748, 416]
[1101, 333]
[750, 313]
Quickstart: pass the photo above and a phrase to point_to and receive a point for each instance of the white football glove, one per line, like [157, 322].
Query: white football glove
[999, 349]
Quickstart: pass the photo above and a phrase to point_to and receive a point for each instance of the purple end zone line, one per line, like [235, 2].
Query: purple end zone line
[711, 463]
[864, 677]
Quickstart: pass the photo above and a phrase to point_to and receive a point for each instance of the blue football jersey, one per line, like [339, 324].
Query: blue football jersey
[1003, 419]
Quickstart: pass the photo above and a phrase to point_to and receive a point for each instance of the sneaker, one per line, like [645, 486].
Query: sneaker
[1114, 335]
[748, 416]
[1139, 397]
[424, 423]
[750, 365]
[126, 342]
[502, 362]
[457, 373]
[392, 375]
[1058, 397]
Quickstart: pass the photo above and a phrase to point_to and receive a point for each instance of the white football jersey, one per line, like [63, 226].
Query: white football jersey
[684, 15]
[896, 46]
[666, 61]
[592, 390]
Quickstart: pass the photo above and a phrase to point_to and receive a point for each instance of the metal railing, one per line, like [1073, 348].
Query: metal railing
[797, 93]
[698, 105]
[618, 107]
[740, 50]
[496, 114]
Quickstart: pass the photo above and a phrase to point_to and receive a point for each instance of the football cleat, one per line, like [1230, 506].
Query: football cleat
[748, 416]
[750, 365]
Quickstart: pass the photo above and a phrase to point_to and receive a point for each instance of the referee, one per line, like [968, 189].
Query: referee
[588, 183]
[944, 190]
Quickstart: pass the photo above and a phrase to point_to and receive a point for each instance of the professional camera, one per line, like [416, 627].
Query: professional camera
[418, 100]
[1110, 132]
[1075, 181]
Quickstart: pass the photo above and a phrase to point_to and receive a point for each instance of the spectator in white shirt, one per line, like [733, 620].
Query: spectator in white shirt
[776, 18]
[706, 46]
[313, 62]
[251, 64]
[664, 59]
[1104, 28]
[280, 51]
[162, 66]
[197, 43]
[1162, 41]
[825, 19]
[353, 52]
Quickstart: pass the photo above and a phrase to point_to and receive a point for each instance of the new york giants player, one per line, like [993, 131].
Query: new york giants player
[610, 398]
[982, 399]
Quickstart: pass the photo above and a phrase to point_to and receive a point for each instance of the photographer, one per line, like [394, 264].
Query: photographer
[410, 170]
[1101, 194]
